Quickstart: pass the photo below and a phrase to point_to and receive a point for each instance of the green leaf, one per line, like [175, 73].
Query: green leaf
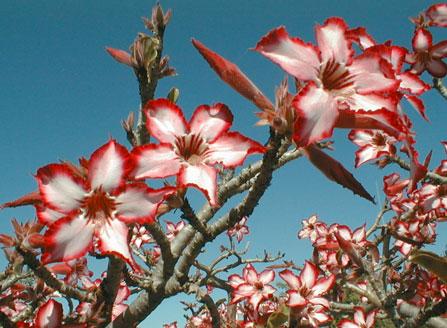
[279, 318]
[432, 262]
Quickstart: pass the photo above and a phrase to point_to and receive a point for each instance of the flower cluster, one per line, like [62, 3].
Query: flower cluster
[105, 207]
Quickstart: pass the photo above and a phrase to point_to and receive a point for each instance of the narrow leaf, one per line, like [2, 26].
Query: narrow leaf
[335, 171]
[121, 56]
[29, 199]
[233, 76]
[432, 262]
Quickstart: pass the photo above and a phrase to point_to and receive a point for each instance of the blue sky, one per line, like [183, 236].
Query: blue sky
[62, 96]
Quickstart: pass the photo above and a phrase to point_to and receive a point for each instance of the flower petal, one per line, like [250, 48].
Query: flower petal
[67, 239]
[165, 120]
[203, 177]
[422, 40]
[242, 291]
[438, 14]
[317, 114]
[211, 122]
[291, 54]
[47, 215]
[309, 275]
[360, 36]
[332, 41]
[437, 68]
[412, 83]
[417, 104]
[112, 237]
[266, 276]
[108, 166]
[232, 148]
[346, 323]
[295, 299]
[292, 280]
[59, 189]
[154, 161]
[49, 315]
[369, 74]
[323, 285]
[140, 203]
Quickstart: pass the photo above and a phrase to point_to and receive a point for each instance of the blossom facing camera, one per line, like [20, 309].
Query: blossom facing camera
[191, 150]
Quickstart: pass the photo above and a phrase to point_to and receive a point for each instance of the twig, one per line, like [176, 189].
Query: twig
[438, 85]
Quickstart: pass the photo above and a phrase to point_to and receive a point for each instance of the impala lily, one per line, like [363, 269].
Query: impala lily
[437, 14]
[96, 207]
[341, 90]
[305, 294]
[373, 143]
[191, 150]
[361, 319]
[252, 285]
[426, 55]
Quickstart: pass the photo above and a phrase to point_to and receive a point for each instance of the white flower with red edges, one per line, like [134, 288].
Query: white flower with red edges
[361, 319]
[305, 294]
[239, 230]
[174, 229]
[433, 197]
[437, 15]
[341, 90]
[49, 315]
[373, 143]
[427, 56]
[253, 286]
[191, 150]
[98, 206]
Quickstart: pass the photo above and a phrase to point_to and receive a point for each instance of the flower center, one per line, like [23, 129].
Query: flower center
[335, 76]
[442, 191]
[379, 139]
[192, 148]
[259, 285]
[98, 205]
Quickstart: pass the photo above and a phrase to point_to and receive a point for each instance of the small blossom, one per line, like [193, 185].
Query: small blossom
[239, 230]
[253, 286]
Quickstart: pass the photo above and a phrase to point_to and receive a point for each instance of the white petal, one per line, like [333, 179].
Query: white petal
[107, 167]
[59, 189]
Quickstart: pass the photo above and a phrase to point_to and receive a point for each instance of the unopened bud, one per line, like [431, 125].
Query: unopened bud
[34, 240]
[173, 95]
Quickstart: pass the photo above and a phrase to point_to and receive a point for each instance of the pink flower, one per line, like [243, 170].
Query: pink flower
[353, 244]
[310, 228]
[140, 236]
[253, 286]
[340, 88]
[433, 197]
[73, 270]
[174, 229]
[374, 144]
[191, 150]
[305, 294]
[239, 230]
[49, 315]
[361, 319]
[99, 205]
[437, 14]
[171, 325]
[426, 55]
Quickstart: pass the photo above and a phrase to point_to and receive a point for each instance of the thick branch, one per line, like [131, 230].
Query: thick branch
[110, 285]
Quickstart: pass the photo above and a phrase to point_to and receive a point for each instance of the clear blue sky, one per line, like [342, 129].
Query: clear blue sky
[62, 96]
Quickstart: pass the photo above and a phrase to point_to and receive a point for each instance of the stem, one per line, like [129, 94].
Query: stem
[439, 85]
